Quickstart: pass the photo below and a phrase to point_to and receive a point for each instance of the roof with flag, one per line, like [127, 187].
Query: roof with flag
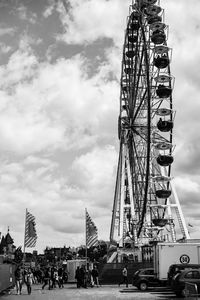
[91, 232]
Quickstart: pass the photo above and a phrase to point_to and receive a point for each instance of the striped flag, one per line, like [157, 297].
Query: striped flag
[30, 231]
[91, 232]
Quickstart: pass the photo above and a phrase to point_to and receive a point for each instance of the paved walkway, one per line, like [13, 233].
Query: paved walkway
[107, 292]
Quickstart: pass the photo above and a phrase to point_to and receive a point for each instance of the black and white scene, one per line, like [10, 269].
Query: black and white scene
[99, 149]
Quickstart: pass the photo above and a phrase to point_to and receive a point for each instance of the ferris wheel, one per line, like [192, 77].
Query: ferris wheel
[146, 207]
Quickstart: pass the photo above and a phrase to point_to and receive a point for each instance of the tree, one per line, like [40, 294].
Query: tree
[18, 255]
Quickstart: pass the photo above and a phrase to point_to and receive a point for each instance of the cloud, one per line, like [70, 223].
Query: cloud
[24, 13]
[4, 31]
[49, 8]
[4, 48]
[20, 67]
[85, 21]
[44, 109]
[89, 166]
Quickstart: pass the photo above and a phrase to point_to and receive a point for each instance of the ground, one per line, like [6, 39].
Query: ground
[108, 292]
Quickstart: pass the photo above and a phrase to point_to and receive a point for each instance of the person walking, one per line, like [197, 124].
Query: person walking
[28, 279]
[95, 275]
[46, 279]
[124, 276]
[19, 274]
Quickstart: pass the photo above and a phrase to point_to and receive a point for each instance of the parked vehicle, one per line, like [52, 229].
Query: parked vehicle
[179, 280]
[144, 278]
[177, 268]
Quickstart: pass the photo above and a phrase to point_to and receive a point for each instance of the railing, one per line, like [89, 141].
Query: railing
[191, 290]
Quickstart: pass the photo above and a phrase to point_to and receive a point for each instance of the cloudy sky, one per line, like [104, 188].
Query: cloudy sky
[60, 67]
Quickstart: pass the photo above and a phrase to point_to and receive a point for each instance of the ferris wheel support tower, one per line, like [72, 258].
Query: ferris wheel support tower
[146, 207]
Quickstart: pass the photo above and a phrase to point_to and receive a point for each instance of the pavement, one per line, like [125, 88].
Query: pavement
[108, 292]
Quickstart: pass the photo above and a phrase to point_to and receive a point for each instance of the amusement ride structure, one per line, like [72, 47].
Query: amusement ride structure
[146, 207]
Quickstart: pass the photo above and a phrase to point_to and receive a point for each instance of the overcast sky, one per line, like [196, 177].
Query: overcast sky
[59, 102]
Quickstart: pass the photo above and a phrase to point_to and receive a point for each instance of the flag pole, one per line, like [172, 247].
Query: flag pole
[86, 236]
[24, 239]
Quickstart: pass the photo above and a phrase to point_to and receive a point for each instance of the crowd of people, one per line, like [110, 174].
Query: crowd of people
[52, 277]
[85, 278]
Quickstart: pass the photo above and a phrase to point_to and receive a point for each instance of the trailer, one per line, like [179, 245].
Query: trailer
[71, 268]
[166, 254]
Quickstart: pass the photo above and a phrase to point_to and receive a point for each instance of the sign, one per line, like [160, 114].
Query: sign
[184, 259]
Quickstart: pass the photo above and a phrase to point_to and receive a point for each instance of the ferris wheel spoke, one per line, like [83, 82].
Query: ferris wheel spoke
[137, 77]
[139, 106]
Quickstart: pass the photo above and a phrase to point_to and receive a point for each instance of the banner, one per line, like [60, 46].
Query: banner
[91, 232]
[30, 231]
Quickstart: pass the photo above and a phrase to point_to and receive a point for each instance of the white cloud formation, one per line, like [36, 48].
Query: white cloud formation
[24, 13]
[85, 21]
[9, 30]
[4, 48]
[45, 110]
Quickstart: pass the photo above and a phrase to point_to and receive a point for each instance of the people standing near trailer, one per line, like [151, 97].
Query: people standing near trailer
[78, 277]
[83, 276]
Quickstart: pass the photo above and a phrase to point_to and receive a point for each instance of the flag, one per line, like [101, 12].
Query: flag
[30, 231]
[91, 232]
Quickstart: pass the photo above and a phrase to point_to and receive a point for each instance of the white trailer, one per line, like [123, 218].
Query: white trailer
[71, 268]
[166, 254]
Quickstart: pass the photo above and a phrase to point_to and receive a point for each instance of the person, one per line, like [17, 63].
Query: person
[56, 278]
[90, 280]
[83, 277]
[124, 276]
[19, 274]
[52, 278]
[65, 275]
[78, 277]
[46, 279]
[60, 277]
[35, 276]
[28, 279]
[95, 275]
[39, 275]
[86, 278]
